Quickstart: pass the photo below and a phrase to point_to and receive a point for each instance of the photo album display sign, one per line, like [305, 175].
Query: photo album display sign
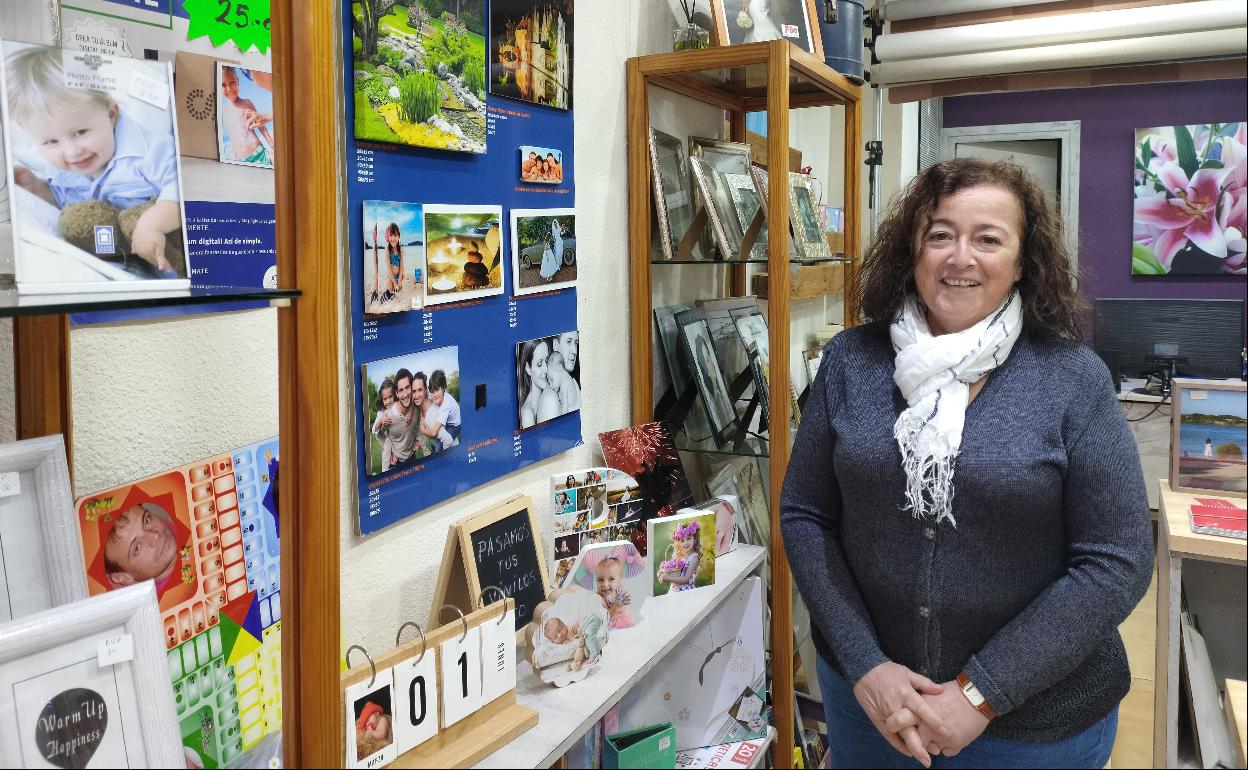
[208, 539]
[464, 262]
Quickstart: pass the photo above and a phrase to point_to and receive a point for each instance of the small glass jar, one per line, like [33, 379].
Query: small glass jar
[690, 38]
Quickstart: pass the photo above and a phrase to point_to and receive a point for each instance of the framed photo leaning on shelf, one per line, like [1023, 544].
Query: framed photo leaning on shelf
[40, 565]
[719, 159]
[803, 212]
[673, 194]
[706, 372]
[89, 683]
[1209, 437]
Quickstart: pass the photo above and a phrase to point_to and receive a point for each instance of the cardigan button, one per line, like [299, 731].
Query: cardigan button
[925, 612]
[929, 533]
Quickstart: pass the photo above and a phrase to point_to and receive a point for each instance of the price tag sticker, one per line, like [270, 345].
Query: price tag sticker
[245, 23]
[498, 656]
[10, 484]
[148, 89]
[461, 675]
[112, 650]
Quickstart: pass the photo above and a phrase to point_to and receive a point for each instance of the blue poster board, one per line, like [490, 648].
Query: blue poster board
[483, 332]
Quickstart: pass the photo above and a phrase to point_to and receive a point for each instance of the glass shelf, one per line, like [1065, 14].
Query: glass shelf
[13, 304]
[792, 260]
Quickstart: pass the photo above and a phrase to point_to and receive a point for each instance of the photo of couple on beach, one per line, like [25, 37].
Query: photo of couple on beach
[411, 407]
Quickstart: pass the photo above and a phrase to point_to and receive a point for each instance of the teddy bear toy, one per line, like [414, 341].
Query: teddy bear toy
[79, 220]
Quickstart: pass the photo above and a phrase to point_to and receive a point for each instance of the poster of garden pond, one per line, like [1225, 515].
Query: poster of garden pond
[419, 73]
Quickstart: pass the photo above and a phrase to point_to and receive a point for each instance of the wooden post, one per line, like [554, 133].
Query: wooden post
[853, 198]
[306, 68]
[639, 184]
[41, 379]
[778, 426]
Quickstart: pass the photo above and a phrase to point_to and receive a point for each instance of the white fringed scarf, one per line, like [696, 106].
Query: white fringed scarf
[934, 374]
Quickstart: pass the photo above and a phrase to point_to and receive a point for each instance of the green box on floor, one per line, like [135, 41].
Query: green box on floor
[649, 746]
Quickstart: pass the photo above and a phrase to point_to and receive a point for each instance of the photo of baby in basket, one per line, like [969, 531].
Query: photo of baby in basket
[567, 635]
[616, 572]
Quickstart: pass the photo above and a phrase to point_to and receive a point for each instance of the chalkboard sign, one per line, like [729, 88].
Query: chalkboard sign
[500, 547]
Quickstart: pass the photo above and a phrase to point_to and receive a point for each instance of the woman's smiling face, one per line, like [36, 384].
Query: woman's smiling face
[969, 257]
[537, 367]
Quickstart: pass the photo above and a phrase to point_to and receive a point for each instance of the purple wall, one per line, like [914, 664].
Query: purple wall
[1109, 116]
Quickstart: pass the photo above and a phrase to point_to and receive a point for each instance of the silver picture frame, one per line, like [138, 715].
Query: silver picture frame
[89, 681]
[673, 192]
[40, 555]
[721, 159]
[804, 218]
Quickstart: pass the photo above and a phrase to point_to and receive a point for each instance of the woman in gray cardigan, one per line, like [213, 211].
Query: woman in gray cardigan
[964, 510]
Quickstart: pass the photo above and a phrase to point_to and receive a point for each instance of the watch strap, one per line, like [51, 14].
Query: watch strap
[975, 697]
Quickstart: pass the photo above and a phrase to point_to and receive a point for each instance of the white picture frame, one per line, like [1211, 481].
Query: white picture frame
[224, 136]
[46, 261]
[40, 555]
[106, 655]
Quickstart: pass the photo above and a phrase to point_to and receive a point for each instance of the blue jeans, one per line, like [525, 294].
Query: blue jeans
[854, 742]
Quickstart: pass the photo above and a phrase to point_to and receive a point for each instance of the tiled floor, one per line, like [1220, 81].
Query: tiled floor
[1134, 746]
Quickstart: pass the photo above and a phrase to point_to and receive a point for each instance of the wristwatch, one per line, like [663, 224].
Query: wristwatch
[975, 697]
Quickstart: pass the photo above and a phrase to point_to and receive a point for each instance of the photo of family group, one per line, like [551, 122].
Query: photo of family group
[410, 407]
[462, 252]
[531, 51]
[548, 378]
[70, 117]
[244, 116]
[542, 165]
[543, 250]
[394, 257]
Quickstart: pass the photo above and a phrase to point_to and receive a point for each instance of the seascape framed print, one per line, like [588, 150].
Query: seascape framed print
[1188, 216]
[739, 22]
[420, 75]
[706, 373]
[531, 51]
[1209, 437]
[541, 165]
[244, 116]
[39, 563]
[673, 193]
[76, 228]
[462, 253]
[543, 250]
[548, 378]
[86, 685]
[803, 213]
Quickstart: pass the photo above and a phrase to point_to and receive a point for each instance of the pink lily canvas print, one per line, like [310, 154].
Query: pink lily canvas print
[1190, 200]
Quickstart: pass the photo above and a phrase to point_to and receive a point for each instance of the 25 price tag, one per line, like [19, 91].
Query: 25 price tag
[246, 23]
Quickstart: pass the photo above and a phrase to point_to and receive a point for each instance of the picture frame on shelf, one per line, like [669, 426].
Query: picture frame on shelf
[98, 669]
[723, 158]
[748, 203]
[742, 478]
[713, 190]
[40, 565]
[740, 22]
[1209, 437]
[804, 216]
[673, 192]
[716, 400]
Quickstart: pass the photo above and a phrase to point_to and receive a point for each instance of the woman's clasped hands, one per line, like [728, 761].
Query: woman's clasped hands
[915, 715]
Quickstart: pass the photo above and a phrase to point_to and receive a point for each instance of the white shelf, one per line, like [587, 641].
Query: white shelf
[567, 713]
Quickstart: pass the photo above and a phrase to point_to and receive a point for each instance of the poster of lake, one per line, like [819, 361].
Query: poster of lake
[1213, 440]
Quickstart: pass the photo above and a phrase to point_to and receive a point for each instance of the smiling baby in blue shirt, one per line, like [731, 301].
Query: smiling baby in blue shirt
[98, 152]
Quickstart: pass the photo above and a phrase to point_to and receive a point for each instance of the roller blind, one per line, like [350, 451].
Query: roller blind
[1051, 46]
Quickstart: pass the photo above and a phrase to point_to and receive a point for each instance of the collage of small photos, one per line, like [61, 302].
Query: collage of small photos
[595, 505]
[106, 212]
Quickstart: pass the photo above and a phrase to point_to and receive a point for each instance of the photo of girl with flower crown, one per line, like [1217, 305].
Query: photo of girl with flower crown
[682, 551]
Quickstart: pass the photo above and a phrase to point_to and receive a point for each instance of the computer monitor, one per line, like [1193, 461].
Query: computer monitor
[1209, 334]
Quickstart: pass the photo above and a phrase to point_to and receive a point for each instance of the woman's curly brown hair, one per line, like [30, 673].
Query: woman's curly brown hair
[1052, 306]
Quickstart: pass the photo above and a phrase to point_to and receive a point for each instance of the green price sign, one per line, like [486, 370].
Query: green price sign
[245, 22]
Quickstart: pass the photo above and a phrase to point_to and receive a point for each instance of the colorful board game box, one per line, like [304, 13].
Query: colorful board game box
[207, 534]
